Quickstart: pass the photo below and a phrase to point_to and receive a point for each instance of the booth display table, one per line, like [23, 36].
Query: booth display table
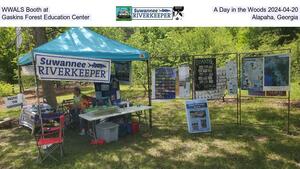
[92, 117]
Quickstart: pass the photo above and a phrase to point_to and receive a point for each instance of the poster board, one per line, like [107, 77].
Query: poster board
[28, 70]
[165, 83]
[256, 93]
[197, 114]
[71, 68]
[184, 81]
[231, 76]
[153, 83]
[252, 73]
[205, 75]
[276, 73]
[123, 72]
[276, 93]
[219, 92]
[109, 91]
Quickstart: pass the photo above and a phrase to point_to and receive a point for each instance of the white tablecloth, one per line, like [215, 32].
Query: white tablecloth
[90, 116]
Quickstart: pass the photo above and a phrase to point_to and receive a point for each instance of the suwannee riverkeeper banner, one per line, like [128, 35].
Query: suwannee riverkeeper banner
[70, 68]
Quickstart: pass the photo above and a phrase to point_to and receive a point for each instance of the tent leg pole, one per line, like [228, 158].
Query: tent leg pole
[37, 95]
[149, 92]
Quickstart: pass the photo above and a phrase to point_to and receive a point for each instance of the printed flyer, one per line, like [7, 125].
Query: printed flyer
[219, 92]
[184, 81]
[231, 76]
[252, 73]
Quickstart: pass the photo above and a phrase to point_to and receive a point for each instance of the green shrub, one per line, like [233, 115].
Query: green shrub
[5, 89]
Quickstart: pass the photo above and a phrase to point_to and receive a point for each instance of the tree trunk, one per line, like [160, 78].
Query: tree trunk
[40, 38]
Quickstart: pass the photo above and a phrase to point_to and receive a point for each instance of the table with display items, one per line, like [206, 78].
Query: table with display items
[92, 116]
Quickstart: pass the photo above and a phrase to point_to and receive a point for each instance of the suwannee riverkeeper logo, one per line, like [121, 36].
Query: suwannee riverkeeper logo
[128, 13]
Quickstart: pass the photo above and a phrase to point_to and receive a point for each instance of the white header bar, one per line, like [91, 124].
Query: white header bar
[133, 13]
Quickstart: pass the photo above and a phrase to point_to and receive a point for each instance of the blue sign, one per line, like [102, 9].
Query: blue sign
[197, 115]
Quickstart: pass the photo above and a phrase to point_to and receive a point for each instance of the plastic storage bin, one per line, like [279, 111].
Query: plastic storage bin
[107, 131]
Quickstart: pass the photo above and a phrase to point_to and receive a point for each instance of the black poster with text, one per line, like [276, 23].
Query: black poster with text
[205, 74]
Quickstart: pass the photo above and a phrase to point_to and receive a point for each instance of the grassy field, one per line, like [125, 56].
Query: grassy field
[260, 142]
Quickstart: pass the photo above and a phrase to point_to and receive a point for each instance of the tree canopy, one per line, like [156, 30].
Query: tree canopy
[168, 46]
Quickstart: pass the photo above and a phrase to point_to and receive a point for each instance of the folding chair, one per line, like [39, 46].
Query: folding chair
[51, 140]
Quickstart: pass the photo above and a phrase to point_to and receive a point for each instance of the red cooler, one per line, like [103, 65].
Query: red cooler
[135, 127]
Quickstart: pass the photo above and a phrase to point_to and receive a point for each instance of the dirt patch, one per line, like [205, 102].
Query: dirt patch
[261, 139]
[295, 104]
[12, 123]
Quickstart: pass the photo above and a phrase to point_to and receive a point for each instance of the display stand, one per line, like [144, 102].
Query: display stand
[219, 57]
[238, 58]
[262, 54]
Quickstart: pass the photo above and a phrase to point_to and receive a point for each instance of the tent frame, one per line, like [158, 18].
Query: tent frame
[37, 93]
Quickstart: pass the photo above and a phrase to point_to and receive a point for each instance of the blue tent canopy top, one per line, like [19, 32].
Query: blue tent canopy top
[83, 42]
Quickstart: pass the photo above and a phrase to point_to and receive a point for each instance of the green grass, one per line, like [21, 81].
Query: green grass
[261, 142]
[295, 90]
[12, 113]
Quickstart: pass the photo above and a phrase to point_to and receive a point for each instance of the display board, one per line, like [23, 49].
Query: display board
[276, 73]
[231, 76]
[252, 73]
[153, 83]
[184, 81]
[205, 77]
[165, 83]
[123, 72]
[219, 92]
[197, 114]
[108, 90]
